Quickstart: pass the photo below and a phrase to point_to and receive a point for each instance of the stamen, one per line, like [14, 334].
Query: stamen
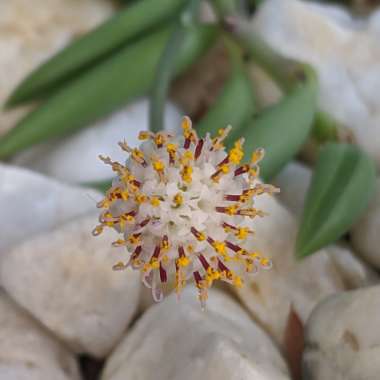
[251, 212]
[119, 266]
[172, 151]
[204, 262]
[144, 135]
[242, 170]
[199, 235]
[198, 149]
[230, 210]
[236, 154]
[178, 200]
[163, 275]
[182, 261]
[217, 141]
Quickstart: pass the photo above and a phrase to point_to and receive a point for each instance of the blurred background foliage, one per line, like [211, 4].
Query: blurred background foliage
[146, 45]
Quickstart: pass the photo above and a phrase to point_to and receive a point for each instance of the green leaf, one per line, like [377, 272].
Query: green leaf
[234, 105]
[283, 128]
[109, 85]
[325, 128]
[165, 69]
[112, 35]
[341, 187]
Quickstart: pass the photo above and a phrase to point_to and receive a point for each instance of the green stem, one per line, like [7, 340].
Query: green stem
[166, 67]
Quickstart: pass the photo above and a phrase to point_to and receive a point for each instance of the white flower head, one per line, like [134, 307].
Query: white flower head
[181, 205]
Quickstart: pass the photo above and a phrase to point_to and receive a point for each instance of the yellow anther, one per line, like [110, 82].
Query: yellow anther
[242, 252]
[188, 131]
[171, 148]
[143, 135]
[232, 210]
[219, 247]
[146, 267]
[266, 263]
[249, 266]
[237, 281]
[257, 155]
[154, 263]
[227, 229]
[186, 123]
[155, 201]
[119, 266]
[213, 274]
[242, 233]
[190, 248]
[186, 174]
[128, 218]
[158, 165]
[136, 262]
[137, 155]
[210, 278]
[124, 195]
[178, 200]
[183, 261]
[188, 155]
[165, 245]
[247, 195]
[140, 198]
[225, 169]
[254, 172]
[236, 154]
[159, 139]
[104, 203]
[201, 236]
[98, 230]
[118, 243]
[133, 239]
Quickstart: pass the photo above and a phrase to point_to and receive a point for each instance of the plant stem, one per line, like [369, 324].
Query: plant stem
[166, 67]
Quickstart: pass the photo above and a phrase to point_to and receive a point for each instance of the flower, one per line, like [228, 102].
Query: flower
[181, 205]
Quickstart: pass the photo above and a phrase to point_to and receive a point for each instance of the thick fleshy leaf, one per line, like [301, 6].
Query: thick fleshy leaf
[166, 67]
[341, 187]
[115, 33]
[120, 79]
[283, 128]
[234, 105]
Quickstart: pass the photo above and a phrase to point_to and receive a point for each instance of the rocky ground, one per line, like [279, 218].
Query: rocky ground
[65, 315]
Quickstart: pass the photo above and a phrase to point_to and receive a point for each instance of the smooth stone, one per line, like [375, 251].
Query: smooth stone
[293, 181]
[64, 278]
[76, 158]
[354, 272]
[345, 52]
[27, 351]
[178, 340]
[291, 284]
[31, 203]
[32, 31]
[342, 337]
[366, 232]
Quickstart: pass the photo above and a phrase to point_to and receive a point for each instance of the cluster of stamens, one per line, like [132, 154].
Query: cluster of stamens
[183, 207]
